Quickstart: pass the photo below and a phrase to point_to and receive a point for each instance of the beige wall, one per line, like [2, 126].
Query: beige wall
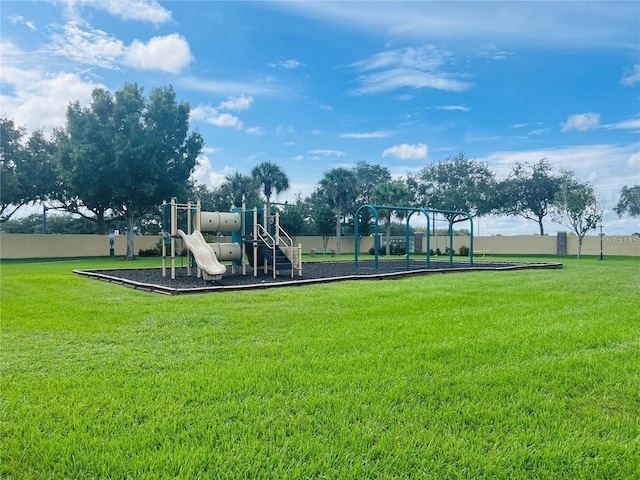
[49, 246]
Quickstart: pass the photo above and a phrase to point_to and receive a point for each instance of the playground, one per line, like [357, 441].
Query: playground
[261, 254]
[151, 279]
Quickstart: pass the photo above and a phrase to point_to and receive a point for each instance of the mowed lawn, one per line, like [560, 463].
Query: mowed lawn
[520, 375]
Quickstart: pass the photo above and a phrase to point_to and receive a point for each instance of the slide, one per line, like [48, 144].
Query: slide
[211, 268]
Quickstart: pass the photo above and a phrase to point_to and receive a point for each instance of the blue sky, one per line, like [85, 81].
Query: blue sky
[317, 85]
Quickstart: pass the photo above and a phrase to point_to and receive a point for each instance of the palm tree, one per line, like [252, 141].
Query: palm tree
[392, 193]
[271, 177]
[340, 188]
[239, 187]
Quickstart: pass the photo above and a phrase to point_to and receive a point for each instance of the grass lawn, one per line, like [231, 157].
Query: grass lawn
[529, 374]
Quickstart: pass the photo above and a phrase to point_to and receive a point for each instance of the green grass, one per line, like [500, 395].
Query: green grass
[524, 374]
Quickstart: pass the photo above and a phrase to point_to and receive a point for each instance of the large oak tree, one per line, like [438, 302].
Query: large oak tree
[128, 153]
[456, 184]
[529, 191]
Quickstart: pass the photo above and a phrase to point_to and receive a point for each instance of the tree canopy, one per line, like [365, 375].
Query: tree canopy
[272, 178]
[458, 184]
[27, 172]
[137, 151]
[629, 202]
[577, 207]
[529, 191]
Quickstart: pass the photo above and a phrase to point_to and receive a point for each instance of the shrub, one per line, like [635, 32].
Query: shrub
[151, 252]
[464, 251]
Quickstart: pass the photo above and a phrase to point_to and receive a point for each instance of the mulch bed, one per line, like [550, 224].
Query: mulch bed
[151, 279]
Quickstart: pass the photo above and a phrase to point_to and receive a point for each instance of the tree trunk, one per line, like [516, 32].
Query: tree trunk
[100, 222]
[541, 226]
[580, 238]
[267, 213]
[130, 255]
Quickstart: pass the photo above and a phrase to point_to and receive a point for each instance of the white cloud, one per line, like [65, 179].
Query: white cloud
[256, 131]
[20, 20]
[84, 44]
[366, 135]
[538, 131]
[634, 162]
[236, 103]
[225, 120]
[225, 87]
[405, 151]
[204, 173]
[526, 124]
[282, 130]
[283, 64]
[40, 100]
[407, 68]
[491, 52]
[631, 77]
[211, 150]
[170, 53]
[327, 153]
[461, 108]
[211, 115]
[148, 11]
[554, 24]
[581, 122]
[142, 10]
[586, 160]
[631, 124]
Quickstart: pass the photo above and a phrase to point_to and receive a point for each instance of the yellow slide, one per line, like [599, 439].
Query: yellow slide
[207, 261]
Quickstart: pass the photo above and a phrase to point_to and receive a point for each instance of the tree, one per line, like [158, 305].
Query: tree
[211, 199]
[629, 202]
[238, 188]
[293, 217]
[271, 177]
[322, 216]
[86, 159]
[576, 206]
[393, 193]
[529, 191]
[145, 147]
[369, 176]
[458, 184]
[340, 189]
[27, 170]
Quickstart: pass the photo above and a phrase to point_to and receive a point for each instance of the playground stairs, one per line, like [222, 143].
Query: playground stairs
[275, 257]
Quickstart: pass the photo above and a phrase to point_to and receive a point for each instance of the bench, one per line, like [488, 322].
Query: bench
[483, 252]
[322, 251]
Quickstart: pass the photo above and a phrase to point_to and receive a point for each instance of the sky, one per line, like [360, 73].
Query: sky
[316, 85]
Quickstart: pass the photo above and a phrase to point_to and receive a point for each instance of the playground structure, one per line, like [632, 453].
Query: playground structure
[426, 212]
[258, 240]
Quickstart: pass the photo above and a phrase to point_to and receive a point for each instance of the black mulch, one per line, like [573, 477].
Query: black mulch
[151, 279]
